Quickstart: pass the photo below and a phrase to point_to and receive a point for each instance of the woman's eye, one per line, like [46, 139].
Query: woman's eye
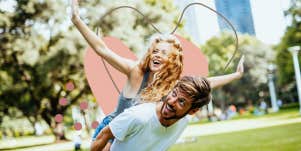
[156, 51]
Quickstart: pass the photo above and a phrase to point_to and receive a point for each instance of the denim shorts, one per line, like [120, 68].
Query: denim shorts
[101, 125]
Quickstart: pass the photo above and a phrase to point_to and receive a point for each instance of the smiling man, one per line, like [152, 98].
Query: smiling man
[156, 126]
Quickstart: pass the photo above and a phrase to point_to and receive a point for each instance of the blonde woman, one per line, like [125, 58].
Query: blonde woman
[149, 78]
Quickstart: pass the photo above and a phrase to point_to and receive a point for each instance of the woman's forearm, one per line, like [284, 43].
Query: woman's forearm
[121, 64]
[218, 81]
[225, 79]
[94, 41]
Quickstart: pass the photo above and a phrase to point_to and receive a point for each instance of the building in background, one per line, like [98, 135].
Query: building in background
[238, 13]
[200, 23]
[262, 18]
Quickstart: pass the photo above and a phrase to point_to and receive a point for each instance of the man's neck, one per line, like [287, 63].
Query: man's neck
[164, 122]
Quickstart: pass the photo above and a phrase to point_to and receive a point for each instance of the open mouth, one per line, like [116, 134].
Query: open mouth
[156, 62]
[169, 108]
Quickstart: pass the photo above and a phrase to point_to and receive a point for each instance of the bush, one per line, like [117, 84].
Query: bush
[294, 105]
[16, 133]
[27, 133]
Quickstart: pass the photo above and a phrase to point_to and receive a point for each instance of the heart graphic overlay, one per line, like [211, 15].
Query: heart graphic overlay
[100, 83]
[195, 63]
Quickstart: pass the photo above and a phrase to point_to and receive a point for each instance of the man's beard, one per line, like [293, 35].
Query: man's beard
[175, 117]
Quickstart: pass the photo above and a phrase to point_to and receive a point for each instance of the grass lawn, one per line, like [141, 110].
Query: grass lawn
[281, 114]
[277, 138]
[26, 141]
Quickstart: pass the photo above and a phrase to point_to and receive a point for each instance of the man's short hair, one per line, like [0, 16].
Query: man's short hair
[197, 88]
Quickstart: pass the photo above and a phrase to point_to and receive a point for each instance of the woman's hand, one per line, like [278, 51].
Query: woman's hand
[74, 10]
[218, 81]
[123, 65]
[240, 67]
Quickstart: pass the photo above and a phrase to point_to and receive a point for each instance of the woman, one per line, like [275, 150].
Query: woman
[149, 78]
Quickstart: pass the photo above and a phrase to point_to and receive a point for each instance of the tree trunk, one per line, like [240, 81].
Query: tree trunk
[86, 122]
[57, 129]
[32, 122]
[59, 132]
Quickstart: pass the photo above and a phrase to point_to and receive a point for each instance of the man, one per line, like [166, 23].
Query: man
[156, 126]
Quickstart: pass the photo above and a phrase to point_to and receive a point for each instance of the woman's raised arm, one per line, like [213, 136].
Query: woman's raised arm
[122, 64]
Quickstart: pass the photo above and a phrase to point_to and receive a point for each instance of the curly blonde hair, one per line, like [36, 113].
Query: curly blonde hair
[165, 79]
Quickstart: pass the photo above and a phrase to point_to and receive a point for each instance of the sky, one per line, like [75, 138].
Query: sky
[269, 20]
[268, 16]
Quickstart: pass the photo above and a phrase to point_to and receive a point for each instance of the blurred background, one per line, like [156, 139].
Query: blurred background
[46, 102]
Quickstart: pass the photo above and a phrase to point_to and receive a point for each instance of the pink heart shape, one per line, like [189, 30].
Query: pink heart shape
[195, 63]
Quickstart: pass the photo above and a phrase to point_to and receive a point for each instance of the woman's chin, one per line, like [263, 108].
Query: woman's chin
[154, 69]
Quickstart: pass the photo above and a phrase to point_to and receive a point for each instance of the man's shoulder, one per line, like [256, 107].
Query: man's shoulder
[142, 112]
[144, 107]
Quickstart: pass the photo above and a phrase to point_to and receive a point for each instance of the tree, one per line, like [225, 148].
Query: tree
[292, 37]
[257, 57]
[41, 51]
[35, 68]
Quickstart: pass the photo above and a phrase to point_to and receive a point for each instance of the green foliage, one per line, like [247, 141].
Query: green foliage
[261, 139]
[127, 24]
[292, 37]
[41, 50]
[257, 57]
[39, 58]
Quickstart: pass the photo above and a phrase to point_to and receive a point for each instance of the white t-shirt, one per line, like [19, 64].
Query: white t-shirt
[138, 128]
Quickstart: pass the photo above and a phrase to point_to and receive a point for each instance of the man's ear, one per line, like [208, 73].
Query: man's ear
[192, 111]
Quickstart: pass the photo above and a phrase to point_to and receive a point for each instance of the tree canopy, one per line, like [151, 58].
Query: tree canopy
[42, 53]
[257, 58]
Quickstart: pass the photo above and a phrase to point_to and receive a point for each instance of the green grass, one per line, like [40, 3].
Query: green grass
[277, 138]
[26, 141]
[31, 141]
[286, 113]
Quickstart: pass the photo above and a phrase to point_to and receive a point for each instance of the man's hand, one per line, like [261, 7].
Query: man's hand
[102, 139]
[240, 67]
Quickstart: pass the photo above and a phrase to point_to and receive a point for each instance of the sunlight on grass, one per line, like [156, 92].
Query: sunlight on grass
[25, 141]
[280, 138]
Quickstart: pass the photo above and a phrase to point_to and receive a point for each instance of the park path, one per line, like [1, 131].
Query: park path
[235, 125]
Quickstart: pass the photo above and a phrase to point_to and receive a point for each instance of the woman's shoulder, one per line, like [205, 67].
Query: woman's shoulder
[136, 71]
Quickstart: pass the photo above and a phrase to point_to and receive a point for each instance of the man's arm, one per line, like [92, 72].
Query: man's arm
[102, 138]
[121, 126]
[225, 79]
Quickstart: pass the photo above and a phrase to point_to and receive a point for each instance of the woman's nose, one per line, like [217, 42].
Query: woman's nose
[158, 54]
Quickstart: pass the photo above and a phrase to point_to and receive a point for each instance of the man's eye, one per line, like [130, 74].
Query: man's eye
[174, 94]
[182, 102]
